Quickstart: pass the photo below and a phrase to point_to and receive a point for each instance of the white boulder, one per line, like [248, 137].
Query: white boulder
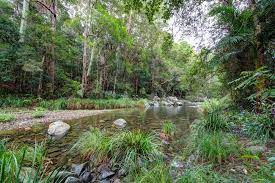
[58, 129]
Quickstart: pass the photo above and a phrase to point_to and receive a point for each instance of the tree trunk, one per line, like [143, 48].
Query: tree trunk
[23, 23]
[260, 53]
[85, 62]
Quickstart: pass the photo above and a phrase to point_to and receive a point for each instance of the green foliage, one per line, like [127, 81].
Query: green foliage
[213, 119]
[6, 117]
[134, 149]
[75, 103]
[158, 172]
[216, 147]
[10, 101]
[127, 149]
[201, 174]
[168, 127]
[38, 114]
[259, 126]
[23, 164]
[265, 174]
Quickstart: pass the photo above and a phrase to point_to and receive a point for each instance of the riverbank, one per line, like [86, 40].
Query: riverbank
[25, 119]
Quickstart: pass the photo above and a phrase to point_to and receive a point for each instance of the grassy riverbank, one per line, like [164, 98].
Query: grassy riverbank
[225, 145]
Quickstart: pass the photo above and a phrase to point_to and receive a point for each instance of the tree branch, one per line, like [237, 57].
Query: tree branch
[45, 6]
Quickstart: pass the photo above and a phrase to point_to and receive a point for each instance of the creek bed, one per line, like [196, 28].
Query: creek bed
[149, 120]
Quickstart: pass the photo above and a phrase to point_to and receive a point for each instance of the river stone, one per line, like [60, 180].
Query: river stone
[58, 129]
[121, 123]
[256, 149]
[73, 180]
[80, 168]
[106, 173]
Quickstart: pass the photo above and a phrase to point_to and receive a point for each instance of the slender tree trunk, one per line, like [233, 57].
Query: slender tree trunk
[23, 24]
[260, 53]
[40, 85]
[85, 62]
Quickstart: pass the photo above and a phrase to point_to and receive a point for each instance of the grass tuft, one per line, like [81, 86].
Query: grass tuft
[168, 128]
[6, 118]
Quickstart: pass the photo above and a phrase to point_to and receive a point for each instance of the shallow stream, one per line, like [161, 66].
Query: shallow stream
[149, 120]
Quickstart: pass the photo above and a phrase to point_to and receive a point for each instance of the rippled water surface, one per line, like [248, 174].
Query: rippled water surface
[149, 120]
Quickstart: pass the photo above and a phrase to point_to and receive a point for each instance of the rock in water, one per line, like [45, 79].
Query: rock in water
[121, 123]
[58, 129]
[80, 168]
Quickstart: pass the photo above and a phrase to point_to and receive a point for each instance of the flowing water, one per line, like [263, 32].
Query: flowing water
[149, 120]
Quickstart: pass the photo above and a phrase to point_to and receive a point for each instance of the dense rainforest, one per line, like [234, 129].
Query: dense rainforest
[194, 80]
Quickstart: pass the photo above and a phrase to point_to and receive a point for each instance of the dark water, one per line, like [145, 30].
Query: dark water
[149, 120]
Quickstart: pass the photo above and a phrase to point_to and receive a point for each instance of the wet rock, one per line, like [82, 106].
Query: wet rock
[256, 149]
[117, 181]
[106, 173]
[172, 99]
[83, 171]
[156, 98]
[80, 168]
[178, 104]
[121, 172]
[120, 123]
[177, 164]
[61, 176]
[58, 129]
[73, 180]
[86, 177]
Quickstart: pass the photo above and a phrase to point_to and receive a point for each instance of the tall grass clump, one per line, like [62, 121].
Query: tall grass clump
[158, 172]
[134, 149]
[201, 174]
[216, 147]
[213, 118]
[168, 127]
[6, 117]
[259, 126]
[126, 149]
[23, 165]
[94, 143]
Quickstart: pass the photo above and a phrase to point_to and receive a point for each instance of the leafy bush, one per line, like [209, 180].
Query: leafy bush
[259, 127]
[6, 117]
[168, 128]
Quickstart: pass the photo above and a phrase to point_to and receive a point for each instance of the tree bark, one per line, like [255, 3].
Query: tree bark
[23, 24]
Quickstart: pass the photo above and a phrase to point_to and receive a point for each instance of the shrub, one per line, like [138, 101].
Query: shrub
[6, 117]
[259, 126]
[168, 128]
